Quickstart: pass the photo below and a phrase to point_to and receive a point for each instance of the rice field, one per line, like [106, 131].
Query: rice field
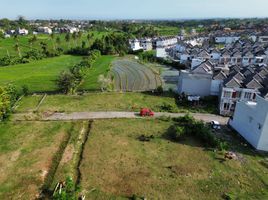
[129, 75]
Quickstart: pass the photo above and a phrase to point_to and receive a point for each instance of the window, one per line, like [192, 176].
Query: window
[227, 94]
[259, 126]
[247, 95]
[226, 106]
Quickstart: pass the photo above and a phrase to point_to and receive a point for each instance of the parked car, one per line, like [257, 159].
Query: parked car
[215, 125]
[146, 112]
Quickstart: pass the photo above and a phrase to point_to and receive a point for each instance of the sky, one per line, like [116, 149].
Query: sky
[138, 9]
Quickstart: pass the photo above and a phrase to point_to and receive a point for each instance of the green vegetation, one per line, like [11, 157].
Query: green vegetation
[100, 102]
[187, 126]
[26, 154]
[109, 102]
[39, 76]
[70, 80]
[117, 165]
[8, 97]
[100, 67]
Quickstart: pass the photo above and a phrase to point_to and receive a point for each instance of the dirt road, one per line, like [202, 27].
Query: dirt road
[113, 115]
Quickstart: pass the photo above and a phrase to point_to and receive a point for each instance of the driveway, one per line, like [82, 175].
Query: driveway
[114, 115]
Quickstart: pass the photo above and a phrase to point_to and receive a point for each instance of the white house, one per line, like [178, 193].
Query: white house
[22, 31]
[194, 83]
[146, 44]
[135, 45]
[45, 30]
[250, 120]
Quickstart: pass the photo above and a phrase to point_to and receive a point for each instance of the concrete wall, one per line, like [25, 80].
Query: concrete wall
[215, 87]
[161, 53]
[194, 84]
[251, 122]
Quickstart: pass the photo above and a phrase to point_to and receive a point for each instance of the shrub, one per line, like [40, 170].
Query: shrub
[25, 90]
[188, 126]
[167, 107]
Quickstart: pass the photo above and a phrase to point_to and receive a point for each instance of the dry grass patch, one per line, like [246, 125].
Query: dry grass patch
[117, 165]
[27, 150]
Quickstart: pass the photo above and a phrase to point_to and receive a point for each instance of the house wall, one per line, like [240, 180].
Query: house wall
[161, 53]
[194, 84]
[215, 87]
[231, 100]
[246, 121]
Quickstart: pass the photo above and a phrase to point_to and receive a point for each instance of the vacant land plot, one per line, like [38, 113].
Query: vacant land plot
[100, 67]
[129, 75]
[98, 102]
[117, 165]
[39, 76]
[27, 156]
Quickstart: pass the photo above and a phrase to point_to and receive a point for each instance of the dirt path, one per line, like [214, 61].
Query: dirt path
[112, 115]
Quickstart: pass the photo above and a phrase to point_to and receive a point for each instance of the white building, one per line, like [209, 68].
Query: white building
[22, 31]
[146, 44]
[164, 45]
[250, 120]
[135, 45]
[45, 30]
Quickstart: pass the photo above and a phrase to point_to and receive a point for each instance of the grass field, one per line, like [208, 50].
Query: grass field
[108, 102]
[95, 102]
[27, 150]
[39, 76]
[100, 67]
[7, 45]
[117, 165]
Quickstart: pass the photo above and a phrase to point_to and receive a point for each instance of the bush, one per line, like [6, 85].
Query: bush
[25, 90]
[188, 126]
[176, 133]
[167, 107]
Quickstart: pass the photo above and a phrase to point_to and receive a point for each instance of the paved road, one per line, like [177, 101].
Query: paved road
[113, 115]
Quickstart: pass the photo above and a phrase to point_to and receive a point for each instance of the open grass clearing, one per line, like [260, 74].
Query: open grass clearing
[27, 150]
[98, 102]
[112, 101]
[117, 165]
[39, 76]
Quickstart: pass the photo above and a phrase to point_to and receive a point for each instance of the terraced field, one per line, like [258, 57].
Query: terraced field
[130, 75]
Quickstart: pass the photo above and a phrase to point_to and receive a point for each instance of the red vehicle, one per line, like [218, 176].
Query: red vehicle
[146, 112]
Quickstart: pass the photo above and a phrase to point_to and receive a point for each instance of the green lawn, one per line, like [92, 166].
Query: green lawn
[117, 165]
[100, 67]
[39, 76]
[111, 101]
[27, 154]
[98, 102]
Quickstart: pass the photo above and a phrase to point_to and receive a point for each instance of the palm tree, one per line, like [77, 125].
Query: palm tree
[58, 41]
[52, 36]
[68, 39]
[74, 37]
[88, 38]
[17, 48]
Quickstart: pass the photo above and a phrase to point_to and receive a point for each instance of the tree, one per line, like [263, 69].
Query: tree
[83, 44]
[17, 49]
[74, 37]
[58, 41]
[52, 36]
[88, 38]
[104, 82]
[67, 82]
[68, 39]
